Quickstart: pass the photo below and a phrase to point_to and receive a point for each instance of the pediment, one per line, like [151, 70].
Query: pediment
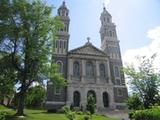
[88, 49]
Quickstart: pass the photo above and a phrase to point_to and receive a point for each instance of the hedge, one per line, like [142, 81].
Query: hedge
[148, 114]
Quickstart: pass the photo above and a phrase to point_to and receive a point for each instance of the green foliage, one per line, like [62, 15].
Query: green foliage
[145, 81]
[27, 34]
[33, 114]
[134, 103]
[3, 115]
[87, 117]
[148, 114]
[79, 113]
[35, 96]
[72, 107]
[71, 115]
[91, 104]
[7, 73]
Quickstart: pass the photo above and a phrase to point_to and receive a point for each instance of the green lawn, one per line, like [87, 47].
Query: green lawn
[43, 115]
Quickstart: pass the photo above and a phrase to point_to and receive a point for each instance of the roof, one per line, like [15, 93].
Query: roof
[88, 49]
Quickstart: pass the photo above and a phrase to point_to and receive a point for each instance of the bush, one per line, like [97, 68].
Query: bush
[91, 106]
[35, 97]
[72, 107]
[80, 113]
[68, 113]
[71, 115]
[148, 114]
[3, 115]
[134, 102]
[86, 117]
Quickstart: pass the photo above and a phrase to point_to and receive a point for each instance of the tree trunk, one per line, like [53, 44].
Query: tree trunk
[20, 109]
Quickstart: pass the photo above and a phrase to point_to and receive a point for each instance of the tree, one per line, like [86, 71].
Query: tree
[91, 104]
[134, 103]
[35, 96]
[27, 30]
[145, 80]
[6, 73]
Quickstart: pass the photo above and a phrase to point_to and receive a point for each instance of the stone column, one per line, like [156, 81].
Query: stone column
[99, 98]
[111, 98]
[83, 71]
[70, 69]
[97, 73]
[109, 73]
[69, 95]
[83, 97]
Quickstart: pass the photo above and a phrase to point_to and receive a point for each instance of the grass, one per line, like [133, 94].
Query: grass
[43, 115]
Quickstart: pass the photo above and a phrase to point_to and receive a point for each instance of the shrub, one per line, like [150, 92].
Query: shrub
[68, 113]
[91, 104]
[86, 117]
[80, 113]
[3, 115]
[71, 115]
[134, 102]
[66, 109]
[148, 114]
[35, 97]
[72, 107]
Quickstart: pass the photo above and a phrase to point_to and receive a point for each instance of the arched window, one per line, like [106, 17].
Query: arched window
[116, 71]
[76, 69]
[60, 66]
[105, 99]
[102, 70]
[113, 34]
[76, 98]
[108, 20]
[110, 32]
[89, 69]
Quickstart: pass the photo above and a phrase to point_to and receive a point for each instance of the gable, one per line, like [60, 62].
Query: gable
[88, 49]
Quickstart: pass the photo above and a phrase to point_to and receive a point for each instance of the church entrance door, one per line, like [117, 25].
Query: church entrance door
[105, 99]
[76, 99]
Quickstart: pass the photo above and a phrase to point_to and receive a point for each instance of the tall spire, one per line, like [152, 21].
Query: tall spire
[64, 2]
[63, 10]
[103, 4]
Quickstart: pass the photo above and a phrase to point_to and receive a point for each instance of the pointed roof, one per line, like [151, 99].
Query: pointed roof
[88, 49]
[105, 12]
[63, 6]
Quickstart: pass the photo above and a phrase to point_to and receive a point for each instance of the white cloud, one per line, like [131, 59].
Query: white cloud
[106, 2]
[129, 57]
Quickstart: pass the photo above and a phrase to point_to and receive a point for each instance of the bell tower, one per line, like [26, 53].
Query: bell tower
[56, 96]
[61, 46]
[110, 45]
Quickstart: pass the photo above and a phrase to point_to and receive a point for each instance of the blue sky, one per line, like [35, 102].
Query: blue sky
[132, 17]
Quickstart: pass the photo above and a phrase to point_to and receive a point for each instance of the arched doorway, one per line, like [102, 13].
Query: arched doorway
[105, 99]
[91, 92]
[76, 99]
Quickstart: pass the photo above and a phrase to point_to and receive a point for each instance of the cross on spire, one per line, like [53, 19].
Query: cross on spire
[88, 38]
[64, 2]
[103, 4]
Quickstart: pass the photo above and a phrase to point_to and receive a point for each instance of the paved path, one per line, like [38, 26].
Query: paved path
[120, 114]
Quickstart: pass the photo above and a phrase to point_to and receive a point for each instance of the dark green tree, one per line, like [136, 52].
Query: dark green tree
[7, 73]
[91, 104]
[35, 97]
[27, 32]
[134, 102]
[145, 80]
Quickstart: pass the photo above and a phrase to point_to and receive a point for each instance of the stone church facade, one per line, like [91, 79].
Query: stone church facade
[89, 70]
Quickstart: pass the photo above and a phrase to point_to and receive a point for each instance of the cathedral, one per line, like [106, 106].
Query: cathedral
[88, 70]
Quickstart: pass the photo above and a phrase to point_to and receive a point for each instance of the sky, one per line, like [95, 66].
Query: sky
[137, 21]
